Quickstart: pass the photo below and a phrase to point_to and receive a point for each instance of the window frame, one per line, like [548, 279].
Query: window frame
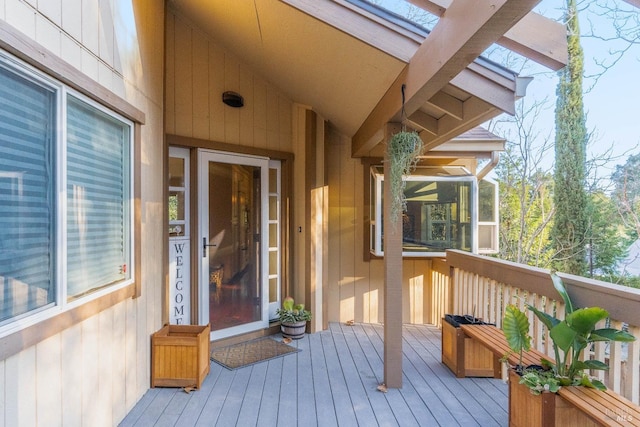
[62, 301]
[376, 248]
[31, 330]
[495, 224]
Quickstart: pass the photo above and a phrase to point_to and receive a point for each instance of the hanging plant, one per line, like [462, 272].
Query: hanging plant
[405, 147]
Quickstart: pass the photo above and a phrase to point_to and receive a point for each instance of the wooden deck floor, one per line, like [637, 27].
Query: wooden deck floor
[333, 382]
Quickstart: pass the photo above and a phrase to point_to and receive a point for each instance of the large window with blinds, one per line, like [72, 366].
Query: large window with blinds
[65, 196]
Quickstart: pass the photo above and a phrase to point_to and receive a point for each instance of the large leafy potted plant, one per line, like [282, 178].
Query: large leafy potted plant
[570, 337]
[293, 319]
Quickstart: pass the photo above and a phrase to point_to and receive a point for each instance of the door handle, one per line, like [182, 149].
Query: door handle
[204, 247]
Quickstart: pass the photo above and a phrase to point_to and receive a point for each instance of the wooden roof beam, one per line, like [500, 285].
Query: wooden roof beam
[487, 90]
[538, 38]
[476, 112]
[424, 121]
[457, 40]
[447, 104]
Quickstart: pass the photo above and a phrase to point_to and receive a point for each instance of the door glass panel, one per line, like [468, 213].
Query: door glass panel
[275, 276]
[177, 198]
[273, 236]
[235, 296]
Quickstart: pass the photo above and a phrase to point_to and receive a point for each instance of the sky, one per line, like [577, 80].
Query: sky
[612, 103]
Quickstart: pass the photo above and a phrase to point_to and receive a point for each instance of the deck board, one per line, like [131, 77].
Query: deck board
[333, 381]
[255, 388]
[324, 407]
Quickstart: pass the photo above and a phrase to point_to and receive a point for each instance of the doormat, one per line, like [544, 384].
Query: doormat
[250, 352]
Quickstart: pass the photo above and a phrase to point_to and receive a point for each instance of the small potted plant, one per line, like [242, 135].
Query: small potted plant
[570, 337]
[293, 319]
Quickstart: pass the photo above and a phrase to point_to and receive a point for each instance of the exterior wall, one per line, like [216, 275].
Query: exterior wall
[198, 72]
[355, 286]
[94, 371]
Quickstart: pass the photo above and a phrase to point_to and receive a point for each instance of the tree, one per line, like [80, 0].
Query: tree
[609, 244]
[526, 187]
[570, 228]
[626, 193]
[620, 37]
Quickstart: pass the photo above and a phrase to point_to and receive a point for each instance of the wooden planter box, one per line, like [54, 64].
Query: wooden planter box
[545, 409]
[466, 357]
[180, 356]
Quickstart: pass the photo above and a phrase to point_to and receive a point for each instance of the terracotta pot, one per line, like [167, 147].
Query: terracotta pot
[294, 330]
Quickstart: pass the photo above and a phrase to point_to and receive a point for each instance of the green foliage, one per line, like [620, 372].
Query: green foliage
[516, 330]
[570, 197]
[291, 312]
[570, 337]
[609, 238]
[526, 210]
[626, 193]
[539, 381]
[404, 149]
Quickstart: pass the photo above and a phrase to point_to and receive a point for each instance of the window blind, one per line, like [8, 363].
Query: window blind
[97, 198]
[27, 210]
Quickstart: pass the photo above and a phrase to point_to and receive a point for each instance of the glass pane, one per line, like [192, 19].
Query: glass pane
[98, 173]
[273, 208]
[486, 201]
[273, 262]
[176, 206]
[485, 236]
[176, 172]
[273, 289]
[273, 235]
[27, 133]
[438, 215]
[273, 180]
[176, 230]
[235, 296]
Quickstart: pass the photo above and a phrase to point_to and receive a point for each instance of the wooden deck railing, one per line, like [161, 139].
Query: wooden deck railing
[483, 286]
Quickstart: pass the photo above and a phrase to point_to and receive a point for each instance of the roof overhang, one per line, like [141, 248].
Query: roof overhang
[477, 143]
[349, 63]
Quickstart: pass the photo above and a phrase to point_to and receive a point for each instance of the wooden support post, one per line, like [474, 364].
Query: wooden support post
[392, 281]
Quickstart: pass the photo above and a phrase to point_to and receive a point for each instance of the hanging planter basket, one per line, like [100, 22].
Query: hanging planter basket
[405, 147]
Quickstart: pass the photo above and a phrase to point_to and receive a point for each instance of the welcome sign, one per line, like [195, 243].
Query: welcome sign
[179, 282]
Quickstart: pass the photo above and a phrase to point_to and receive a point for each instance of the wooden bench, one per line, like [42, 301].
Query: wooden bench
[493, 339]
[605, 408]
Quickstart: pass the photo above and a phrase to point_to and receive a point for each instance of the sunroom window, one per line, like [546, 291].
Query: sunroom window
[488, 216]
[65, 196]
[441, 212]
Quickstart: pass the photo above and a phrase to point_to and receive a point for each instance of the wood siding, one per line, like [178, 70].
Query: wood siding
[198, 72]
[355, 285]
[94, 367]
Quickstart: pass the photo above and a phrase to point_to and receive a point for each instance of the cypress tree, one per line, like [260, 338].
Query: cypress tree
[571, 224]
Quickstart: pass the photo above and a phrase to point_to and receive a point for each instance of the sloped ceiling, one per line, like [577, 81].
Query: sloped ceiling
[336, 74]
[347, 63]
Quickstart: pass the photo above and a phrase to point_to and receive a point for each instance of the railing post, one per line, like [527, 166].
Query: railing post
[451, 303]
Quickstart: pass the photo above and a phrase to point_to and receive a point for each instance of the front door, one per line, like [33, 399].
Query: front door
[233, 237]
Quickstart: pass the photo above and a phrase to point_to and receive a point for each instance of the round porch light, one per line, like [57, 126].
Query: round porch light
[232, 99]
